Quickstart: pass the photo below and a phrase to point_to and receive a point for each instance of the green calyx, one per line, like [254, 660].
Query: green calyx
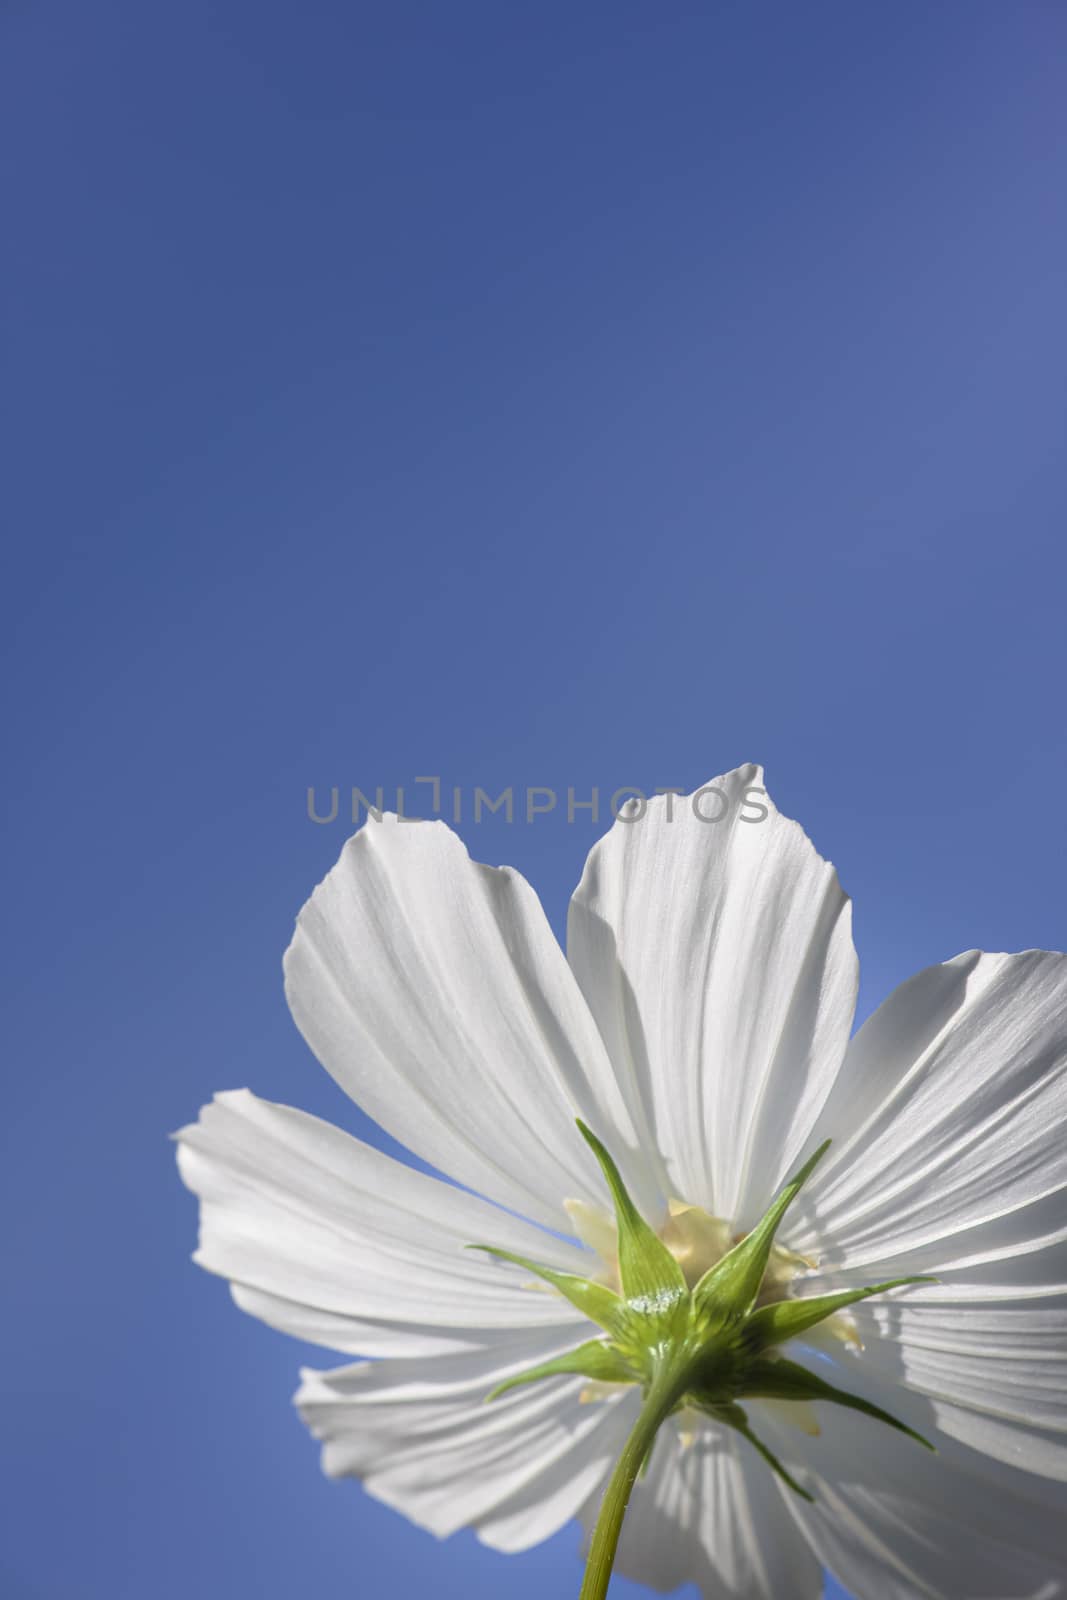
[708, 1347]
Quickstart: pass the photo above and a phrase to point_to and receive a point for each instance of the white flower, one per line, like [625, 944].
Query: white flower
[700, 1025]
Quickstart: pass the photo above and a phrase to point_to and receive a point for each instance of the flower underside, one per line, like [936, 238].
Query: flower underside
[700, 1339]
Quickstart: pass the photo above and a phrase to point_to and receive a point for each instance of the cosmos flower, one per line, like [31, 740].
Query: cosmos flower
[617, 1124]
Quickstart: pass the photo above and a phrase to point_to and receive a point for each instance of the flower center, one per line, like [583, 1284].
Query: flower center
[697, 1241]
[695, 1314]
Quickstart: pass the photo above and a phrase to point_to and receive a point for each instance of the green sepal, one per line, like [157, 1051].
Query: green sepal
[787, 1380]
[595, 1300]
[786, 1319]
[730, 1287]
[733, 1284]
[652, 1281]
[597, 1360]
[736, 1417]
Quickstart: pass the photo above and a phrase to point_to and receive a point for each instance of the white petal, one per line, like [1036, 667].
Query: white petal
[987, 1264]
[434, 992]
[717, 958]
[947, 1118]
[893, 1521]
[331, 1240]
[353, 1335]
[997, 1378]
[709, 1514]
[422, 1439]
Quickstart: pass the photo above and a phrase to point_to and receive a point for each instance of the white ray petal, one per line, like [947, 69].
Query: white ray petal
[995, 1380]
[328, 1238]
[361, 1336]
[1019, 1331]
[423, 1440]
[433, 990]
[947, 1125]
[891, 1520]
[717, 958]
[983, 1266]
[1006, 1364]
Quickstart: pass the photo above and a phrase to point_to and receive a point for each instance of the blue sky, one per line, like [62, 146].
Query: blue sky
[556, 395]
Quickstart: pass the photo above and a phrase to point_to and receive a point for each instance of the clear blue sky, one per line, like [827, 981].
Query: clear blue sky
[549, 394]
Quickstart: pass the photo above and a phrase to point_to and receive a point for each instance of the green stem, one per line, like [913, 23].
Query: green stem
[663, 1395]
